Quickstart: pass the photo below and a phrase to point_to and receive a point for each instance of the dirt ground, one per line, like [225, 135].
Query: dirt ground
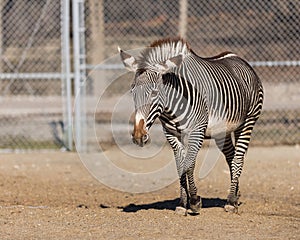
[53, 196]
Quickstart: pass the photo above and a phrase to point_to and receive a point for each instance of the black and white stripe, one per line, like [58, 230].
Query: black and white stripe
[196, 98]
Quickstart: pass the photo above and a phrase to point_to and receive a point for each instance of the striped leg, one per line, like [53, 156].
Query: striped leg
[184, 194]
[242, 139]
[179, 154]
[227, 148]
[194, 200]
[185, 161]
[194, 144]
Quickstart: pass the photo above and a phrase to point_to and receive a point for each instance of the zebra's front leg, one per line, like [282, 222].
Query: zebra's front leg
[194, 200]
[188, 194]
[181, 209]
[179, 154]
[194, 143]
[185, 157]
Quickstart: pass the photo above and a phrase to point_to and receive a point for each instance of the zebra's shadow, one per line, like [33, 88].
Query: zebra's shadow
[171, 205]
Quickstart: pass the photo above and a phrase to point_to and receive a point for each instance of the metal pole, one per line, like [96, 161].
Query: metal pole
[66, 74]
[82, 68]
[76, 53]
[79, 74]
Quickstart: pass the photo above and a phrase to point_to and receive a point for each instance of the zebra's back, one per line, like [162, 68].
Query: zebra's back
[230, 86]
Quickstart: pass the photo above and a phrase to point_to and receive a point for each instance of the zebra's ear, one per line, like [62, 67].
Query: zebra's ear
[128, 60]
[167, 65]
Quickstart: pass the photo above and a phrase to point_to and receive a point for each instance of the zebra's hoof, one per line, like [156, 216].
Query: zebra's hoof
[181, 211]
[230, 208]
[195, 209]
[196, 205]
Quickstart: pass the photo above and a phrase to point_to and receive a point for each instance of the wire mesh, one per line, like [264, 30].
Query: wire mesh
[266, 33]
[263, 32]
[30, 68]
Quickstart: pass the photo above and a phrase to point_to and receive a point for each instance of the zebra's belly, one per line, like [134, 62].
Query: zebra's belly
[218, 127]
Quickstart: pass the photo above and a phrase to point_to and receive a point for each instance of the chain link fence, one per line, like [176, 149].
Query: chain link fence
[30, 74]
[266, 33]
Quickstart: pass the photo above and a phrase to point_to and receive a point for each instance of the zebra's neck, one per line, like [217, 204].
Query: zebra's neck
[162, 50]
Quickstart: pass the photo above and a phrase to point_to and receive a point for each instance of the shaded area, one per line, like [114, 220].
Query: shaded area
[171, 205]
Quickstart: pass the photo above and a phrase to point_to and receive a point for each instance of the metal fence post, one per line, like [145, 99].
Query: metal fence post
[79, 75]
[66, 74]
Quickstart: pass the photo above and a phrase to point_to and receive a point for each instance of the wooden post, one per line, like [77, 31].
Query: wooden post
[183, 18]
[97, 44]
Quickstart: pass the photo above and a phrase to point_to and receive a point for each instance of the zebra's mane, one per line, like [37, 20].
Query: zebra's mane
[162, 50]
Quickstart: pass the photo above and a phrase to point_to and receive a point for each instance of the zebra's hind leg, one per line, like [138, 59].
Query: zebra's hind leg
[227, 148]
[242, 138]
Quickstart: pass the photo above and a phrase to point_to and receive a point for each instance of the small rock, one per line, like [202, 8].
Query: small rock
[181, 211]
[82, 206]
[103, 206]
[230, 208]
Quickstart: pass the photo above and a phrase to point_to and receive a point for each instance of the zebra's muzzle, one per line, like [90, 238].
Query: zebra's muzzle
[141, 141]
[140, 136]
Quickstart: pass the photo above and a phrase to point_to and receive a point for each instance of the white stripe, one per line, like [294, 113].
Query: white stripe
[226, 56]
[138, 118]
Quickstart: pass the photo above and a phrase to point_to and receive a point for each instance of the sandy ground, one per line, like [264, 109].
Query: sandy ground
[53, 196]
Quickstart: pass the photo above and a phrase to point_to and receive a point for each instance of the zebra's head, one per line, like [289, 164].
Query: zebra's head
[148, 90]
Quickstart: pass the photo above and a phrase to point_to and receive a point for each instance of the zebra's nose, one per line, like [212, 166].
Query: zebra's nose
[140, 135]
[141, 141]
[146, 139]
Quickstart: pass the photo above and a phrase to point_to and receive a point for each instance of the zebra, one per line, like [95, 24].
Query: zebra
[194, 98]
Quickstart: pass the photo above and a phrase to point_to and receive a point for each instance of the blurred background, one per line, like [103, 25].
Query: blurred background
[54, 50]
